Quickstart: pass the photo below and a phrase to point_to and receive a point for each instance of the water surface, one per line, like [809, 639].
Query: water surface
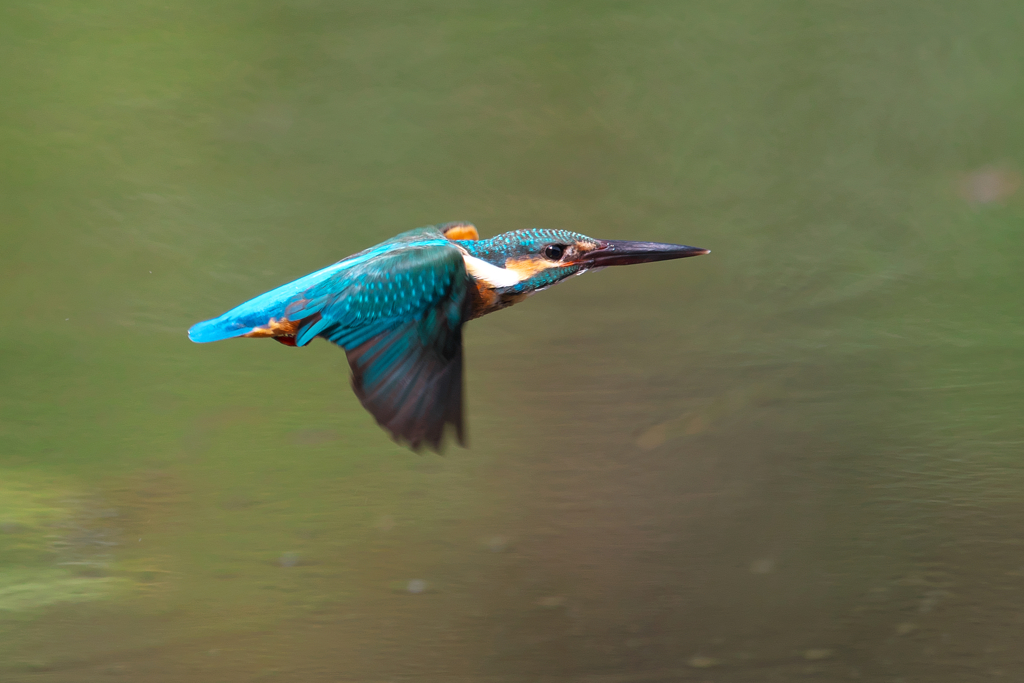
[796, 457]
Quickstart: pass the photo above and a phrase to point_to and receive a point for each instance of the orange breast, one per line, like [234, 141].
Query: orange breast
[487, 300]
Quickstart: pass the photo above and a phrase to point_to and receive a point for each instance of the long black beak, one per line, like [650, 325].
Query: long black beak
[622, 253]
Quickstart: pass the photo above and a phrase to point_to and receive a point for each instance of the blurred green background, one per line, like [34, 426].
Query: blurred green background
[799, 457]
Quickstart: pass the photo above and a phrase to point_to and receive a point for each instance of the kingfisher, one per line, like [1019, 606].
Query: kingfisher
[397, 309]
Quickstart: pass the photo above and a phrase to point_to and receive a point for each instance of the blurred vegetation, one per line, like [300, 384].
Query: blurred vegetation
[53, 549]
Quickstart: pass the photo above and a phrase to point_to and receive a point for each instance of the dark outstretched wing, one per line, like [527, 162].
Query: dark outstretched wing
[399, 318]
[412, 390]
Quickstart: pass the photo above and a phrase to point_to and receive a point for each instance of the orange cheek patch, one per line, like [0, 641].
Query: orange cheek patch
[462, 231]
[528, 266]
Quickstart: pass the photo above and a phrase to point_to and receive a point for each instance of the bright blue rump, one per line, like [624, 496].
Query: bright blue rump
[256, 312]
[316, 291]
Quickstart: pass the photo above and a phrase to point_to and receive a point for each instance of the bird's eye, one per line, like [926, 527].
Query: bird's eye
[554, 251]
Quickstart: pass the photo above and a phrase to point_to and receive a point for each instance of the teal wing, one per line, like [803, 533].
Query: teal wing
[397, 309]
[399, 318]
[257, 317]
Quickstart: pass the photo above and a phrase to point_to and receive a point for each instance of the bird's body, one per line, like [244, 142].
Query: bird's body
[398, 309]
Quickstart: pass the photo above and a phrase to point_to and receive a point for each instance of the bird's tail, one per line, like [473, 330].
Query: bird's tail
[276, 309]
[224, 327]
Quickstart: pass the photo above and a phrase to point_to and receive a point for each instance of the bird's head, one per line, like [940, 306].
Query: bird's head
[526, 261]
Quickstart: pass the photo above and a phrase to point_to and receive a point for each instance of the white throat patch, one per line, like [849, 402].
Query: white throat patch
[491, 274]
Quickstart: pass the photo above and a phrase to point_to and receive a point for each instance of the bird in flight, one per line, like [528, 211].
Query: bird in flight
[398, 309]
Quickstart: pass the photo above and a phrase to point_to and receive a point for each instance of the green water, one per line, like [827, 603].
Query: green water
[797, 458]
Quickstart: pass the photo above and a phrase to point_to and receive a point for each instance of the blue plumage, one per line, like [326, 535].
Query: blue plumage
[308, 295]
[398, 309]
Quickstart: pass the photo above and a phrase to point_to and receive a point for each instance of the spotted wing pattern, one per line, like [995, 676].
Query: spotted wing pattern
[397, 309]
[399, 318]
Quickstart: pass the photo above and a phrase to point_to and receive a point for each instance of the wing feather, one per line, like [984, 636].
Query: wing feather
[397, 309]
[400, 322]
[413, 393]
